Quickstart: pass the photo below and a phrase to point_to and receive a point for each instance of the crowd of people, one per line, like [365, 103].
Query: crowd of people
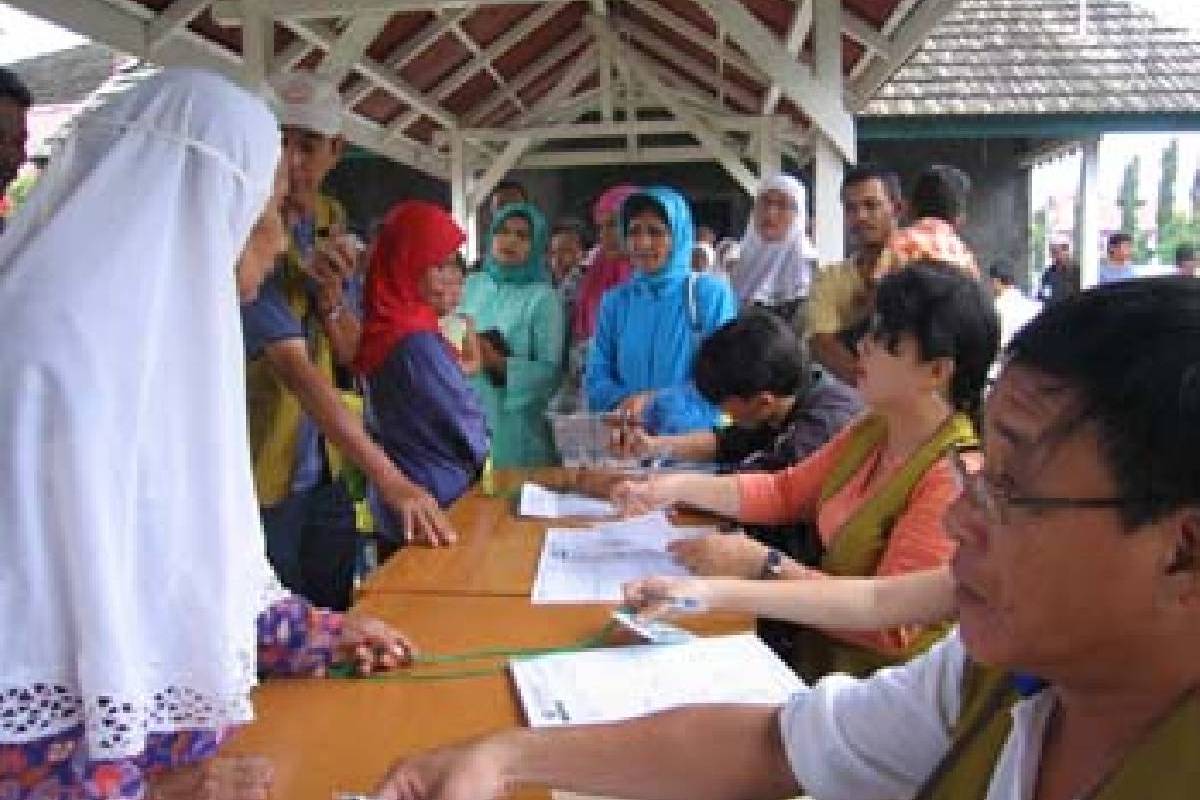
[991, 596]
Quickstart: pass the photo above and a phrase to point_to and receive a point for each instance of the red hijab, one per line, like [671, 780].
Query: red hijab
[415, 237]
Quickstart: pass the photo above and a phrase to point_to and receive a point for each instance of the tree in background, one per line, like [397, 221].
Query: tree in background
[1130, 202]
[1166, 185]
[1037, 242]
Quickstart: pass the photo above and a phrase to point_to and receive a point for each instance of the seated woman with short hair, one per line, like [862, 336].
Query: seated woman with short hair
[877, 492]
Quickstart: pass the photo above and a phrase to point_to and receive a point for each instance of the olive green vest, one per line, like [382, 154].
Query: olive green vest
[856, 549]
[1164, 766]
[274, 412]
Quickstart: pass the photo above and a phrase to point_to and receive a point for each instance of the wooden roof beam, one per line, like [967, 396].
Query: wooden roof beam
[173, 19]
[908, 37]
[528, 75]
[697, 73]
[126, 31]
[496, 49]
[687, 30]
[322, 34]
[708, 138]
[796, 34]
[229, 12]
[820, 103]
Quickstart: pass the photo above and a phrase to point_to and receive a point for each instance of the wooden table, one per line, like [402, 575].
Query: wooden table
[324, 736]
[497, 552]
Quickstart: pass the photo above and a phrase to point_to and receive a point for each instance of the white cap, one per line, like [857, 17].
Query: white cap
[306, 101]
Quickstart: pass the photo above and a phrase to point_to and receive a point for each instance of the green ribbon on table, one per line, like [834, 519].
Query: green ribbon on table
[346, 671]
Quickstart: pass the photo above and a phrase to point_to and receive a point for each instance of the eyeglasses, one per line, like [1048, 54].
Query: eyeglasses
[999, 503]
[777, 203]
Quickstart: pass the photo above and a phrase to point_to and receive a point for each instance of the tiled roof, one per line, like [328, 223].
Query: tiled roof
[1027, 57]
[67, 77]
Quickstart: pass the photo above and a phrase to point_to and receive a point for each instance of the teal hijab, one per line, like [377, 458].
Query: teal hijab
[679, 222]
[534, 269]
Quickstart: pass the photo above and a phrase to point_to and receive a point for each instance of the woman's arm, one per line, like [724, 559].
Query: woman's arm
[716, 493]
[602, 385]
[918, 598]
[532, 380]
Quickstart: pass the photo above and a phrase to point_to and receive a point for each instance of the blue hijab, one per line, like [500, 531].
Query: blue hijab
[679, 221]
[534, 269]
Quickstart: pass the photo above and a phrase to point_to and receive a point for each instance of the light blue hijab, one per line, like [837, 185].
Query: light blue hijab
[679, 222]
[534, 269]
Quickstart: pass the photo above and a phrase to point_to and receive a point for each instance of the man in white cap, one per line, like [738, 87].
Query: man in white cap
[297, 331]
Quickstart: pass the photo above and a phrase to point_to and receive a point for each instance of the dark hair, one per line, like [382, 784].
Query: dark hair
[1185, 252]
[940, 191]
[862, 173]
[13, 88]
[637, 203]
[1003, 271]
[1120, 237]
[950, 315]
[571, 227]
[508, 185]
[1130, 352]
[757, 352]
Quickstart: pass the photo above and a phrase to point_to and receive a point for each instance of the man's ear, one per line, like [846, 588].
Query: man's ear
[941, 371]
[1181, 559]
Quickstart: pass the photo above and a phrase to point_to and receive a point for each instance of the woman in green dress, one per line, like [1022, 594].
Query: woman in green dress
[520, 321]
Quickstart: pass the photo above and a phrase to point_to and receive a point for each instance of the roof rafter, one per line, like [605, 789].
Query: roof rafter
[796, 34]
[697, 73]
[529, 75]
[687, 30]
[322, 34]
[496, 49]
[907, 38]
[819, 102]
[229, 12]
[709, 139]
[125, 30]
[173, 19]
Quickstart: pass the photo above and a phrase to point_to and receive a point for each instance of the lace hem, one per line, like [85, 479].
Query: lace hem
[116, 727]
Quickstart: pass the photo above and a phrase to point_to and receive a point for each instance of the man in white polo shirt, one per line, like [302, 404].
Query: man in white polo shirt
[1076, 667]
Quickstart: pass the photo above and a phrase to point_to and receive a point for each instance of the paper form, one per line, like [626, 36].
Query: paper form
[624, 682]
[538, 501]
[589, 565]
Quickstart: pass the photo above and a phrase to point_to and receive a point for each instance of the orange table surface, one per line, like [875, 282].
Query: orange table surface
[325, 736]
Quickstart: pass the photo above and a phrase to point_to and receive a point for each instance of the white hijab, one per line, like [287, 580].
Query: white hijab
[132, 564]
[776, 272]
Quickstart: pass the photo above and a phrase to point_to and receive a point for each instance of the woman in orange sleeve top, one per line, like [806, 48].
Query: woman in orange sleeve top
[878, 490]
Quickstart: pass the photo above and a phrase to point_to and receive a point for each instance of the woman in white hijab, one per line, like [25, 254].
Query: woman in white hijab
[135, 596]
[775, 266]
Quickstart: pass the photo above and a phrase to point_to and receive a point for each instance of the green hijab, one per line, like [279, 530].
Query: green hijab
[534, 269]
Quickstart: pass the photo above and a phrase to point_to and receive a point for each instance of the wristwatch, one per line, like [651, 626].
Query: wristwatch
[772, 565]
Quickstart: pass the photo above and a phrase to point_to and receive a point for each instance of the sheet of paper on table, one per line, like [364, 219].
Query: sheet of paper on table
[538, 501]
[624, 682]
[589, 565]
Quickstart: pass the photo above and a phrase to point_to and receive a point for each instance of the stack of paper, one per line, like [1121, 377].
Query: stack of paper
[589, 565]
[538, 501]
[624, 682]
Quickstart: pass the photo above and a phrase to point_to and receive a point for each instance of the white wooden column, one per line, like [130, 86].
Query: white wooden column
[1087, 227]
[768, 148]
[459, 194]
[828, 164]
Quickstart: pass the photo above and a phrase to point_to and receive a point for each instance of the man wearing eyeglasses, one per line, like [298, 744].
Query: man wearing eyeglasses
[1075, 667]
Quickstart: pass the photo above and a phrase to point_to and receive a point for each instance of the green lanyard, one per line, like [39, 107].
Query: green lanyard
[346, 671]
